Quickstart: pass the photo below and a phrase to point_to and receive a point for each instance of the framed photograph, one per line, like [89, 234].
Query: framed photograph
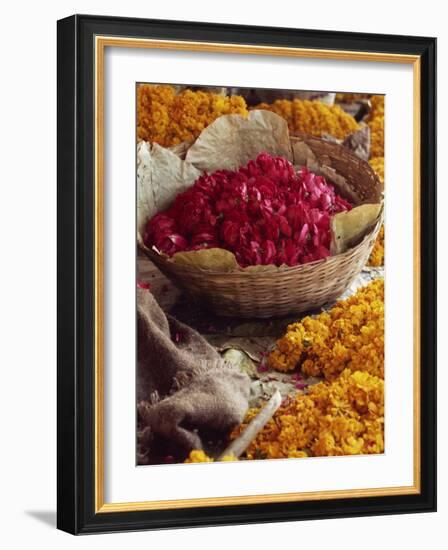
[246, 274]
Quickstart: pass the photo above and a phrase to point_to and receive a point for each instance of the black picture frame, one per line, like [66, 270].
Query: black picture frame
[76, 225]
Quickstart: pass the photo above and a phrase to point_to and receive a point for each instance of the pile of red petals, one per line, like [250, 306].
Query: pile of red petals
[265, 213]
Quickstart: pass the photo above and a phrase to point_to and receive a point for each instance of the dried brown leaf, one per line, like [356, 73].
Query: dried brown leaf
[210, 259]
[233, 140]
[348, 228]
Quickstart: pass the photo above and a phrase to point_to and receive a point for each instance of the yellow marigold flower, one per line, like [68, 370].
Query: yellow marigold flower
[349, 97]
[168, 118]
[338, 418]
[313, 117]
[377, 163]
[198, 455]
[376, 125]
[350, 335]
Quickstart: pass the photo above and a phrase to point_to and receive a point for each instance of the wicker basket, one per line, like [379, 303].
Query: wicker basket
[264, 294]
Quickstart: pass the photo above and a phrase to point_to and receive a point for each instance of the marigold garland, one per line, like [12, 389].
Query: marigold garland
[377, 163]
[376, 124]
[342, 97]
[169, 118]
[344, 417]
[375, 120]
[350, 335]
[313, 117]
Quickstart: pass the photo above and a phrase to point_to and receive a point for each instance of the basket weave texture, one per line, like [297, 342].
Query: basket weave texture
[266, 293]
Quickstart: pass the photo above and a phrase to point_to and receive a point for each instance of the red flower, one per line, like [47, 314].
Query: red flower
[143, 284]
[269, 252]
[170, 244]
[265, 213]
[230, 232]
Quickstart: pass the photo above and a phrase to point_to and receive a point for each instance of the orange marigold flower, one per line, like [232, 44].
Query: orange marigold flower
[169, 118]
[344, 97]
[350, 335]
[198, 455]
[377, 163]
[313, 117]
[376, 125]
[343, 417]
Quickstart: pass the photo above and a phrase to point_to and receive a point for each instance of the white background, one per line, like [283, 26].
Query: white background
[28, 277]
[123, 481]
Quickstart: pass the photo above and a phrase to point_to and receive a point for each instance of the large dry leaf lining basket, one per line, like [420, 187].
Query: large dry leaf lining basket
[287, 290]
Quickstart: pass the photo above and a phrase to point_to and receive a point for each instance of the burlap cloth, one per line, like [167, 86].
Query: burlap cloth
[183, 385]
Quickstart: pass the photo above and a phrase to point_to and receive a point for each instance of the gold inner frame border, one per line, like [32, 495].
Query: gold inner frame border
[101, 42]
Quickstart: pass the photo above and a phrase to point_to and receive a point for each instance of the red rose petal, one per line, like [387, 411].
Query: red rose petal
[142, 284]
[265, 213]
